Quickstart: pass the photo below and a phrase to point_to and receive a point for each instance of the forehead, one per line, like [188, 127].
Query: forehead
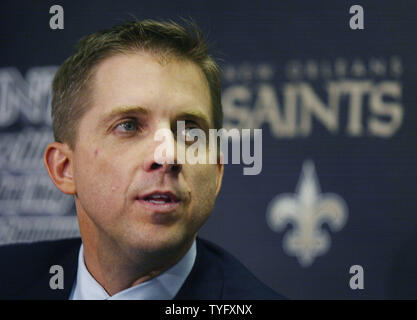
[169, 85]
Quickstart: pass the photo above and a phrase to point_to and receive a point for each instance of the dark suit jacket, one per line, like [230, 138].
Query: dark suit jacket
[24, 273]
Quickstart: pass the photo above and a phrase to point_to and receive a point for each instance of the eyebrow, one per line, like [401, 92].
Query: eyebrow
[195, 115]
[123, 111]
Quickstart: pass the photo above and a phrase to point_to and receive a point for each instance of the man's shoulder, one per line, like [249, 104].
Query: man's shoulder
[16, 252]
[237, 281]
[26, 264]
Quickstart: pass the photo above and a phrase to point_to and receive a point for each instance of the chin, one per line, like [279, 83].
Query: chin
[157, 240]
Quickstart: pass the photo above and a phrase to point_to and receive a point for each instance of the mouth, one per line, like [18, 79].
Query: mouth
[160, 201]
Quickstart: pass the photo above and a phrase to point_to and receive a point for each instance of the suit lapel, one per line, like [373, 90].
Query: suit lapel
[205, 281]
[68, 259]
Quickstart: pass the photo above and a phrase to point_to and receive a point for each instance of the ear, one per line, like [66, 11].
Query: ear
[58, 162]
[220, 171]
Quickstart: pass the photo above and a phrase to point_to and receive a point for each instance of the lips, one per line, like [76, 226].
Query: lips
[159, 201]
[158, 197]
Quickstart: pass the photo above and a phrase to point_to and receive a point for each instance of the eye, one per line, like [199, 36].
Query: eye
[190, 125]
[128, 126]
[188, 135]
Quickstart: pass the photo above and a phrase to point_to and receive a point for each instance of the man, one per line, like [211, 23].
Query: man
[138, 214]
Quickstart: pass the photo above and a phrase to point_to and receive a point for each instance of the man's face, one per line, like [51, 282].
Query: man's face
[122, 194]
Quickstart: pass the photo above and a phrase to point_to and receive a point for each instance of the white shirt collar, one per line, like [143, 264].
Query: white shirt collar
[163, 287]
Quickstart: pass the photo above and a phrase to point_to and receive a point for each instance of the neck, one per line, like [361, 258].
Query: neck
[116, 267]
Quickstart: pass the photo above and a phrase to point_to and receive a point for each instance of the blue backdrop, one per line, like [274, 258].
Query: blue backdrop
[337, 109]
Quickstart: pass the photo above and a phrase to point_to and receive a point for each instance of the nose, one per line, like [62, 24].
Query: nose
[166, 167]
[162, 155]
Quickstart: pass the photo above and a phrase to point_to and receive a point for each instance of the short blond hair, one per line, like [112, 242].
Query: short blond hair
[72, 82]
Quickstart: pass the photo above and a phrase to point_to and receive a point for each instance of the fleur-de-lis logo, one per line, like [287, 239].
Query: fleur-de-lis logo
[307, 209]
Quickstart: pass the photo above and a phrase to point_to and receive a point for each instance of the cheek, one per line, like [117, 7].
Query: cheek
[99, 181]
[204, 184]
